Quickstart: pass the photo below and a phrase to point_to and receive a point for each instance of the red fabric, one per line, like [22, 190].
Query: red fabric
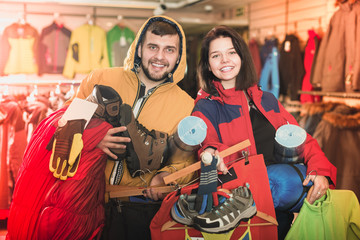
[253, 173]
[254, 51]
[310, 50]
[43, 201]
[4, 213]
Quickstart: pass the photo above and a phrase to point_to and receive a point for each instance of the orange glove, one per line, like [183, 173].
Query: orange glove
[66, 148]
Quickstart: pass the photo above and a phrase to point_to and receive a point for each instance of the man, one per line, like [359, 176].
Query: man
[155, 63]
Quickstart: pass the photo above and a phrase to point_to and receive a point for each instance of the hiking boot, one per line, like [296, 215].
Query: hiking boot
[146, 151]
[108, 101]
[183, 210]
[239, 207]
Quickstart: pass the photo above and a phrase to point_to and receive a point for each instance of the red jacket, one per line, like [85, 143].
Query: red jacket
[228, 121]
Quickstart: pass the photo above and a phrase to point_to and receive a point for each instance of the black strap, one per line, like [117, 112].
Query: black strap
[305, 189]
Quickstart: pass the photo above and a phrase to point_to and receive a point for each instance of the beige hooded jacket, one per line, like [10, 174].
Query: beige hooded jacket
[162, 110]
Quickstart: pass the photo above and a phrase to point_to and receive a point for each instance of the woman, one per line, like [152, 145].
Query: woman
[235, 109]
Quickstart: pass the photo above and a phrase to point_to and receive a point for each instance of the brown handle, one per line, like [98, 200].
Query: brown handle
[117, 191]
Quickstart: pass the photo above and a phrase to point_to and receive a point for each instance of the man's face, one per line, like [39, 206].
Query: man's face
[159, 55]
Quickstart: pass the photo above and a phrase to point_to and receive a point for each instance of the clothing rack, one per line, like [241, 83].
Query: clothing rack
[332, 94]
[94, 15]
[27, 84]
[292, 22]
[347, 98]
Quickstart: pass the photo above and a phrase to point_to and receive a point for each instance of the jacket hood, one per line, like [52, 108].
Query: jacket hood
[343, 117]
[133, 61]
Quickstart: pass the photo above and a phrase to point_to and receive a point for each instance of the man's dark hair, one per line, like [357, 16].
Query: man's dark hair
[247, 75]
[160, 28]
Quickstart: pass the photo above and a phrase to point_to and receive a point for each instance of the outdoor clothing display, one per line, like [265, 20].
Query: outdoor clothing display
[87, 51]
[336, 215]
[337, 66]
[19, 49]
[291, 67]
[53, 46]
[311, 51]
[126, 82]
[119, 40]
[45, 207]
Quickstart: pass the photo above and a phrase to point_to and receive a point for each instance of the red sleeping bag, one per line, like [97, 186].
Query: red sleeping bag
[45, 207]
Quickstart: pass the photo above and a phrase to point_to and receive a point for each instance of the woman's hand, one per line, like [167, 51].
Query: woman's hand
[321, 185]
[221, 167]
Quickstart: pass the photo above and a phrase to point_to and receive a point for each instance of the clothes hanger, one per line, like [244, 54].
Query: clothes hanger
[89, 19]
[169, 225]
[120, 23]
[196, 166]
[21, 18]
[57, 20]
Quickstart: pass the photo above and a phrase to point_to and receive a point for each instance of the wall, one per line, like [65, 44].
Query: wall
[264, 17]
[40, 15]
[281, 17]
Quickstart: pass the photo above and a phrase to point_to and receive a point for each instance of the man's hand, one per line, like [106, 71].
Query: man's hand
[110, 141]
[158, 180]
[321, 185]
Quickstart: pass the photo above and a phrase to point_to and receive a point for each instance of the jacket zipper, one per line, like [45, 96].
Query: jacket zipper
[145, 100]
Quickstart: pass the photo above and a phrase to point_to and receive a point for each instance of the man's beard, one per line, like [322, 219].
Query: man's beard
[152, 77]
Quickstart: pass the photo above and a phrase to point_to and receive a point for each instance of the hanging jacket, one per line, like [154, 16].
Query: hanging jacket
[311, 51]
[118, 42]
[337, 67]
[267, 48]
[254, 50]
[53, 46]
[338, 134]
[228, 120]
[334, 216]
[87, 50]
[162, 110]
[270, 79]
[19, 45]
[291, 67]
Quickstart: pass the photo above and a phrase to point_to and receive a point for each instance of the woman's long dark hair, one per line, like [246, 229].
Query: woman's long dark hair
[247, 75]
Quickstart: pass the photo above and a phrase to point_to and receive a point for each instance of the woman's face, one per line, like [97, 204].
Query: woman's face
[224, 61]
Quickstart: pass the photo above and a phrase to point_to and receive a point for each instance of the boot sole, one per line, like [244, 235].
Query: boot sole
[245, 216]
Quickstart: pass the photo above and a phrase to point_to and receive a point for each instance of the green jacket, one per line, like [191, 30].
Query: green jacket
[334, 216]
